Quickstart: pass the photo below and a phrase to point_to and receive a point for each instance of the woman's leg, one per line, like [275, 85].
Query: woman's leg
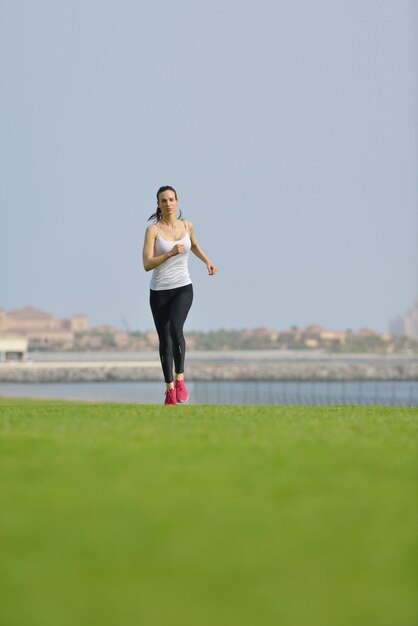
[180, 308]
[160, 302]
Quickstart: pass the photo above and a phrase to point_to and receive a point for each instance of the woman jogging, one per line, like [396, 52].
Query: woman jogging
[166, 251]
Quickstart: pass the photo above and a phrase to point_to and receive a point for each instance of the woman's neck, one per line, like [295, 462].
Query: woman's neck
[169, 221]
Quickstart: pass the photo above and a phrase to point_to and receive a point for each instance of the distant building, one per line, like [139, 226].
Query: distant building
[333, 338]
[41, 329]
[407, 325]
[411, 321]
[313, 331]
[13, 349]
[367, 332]
[396, 326]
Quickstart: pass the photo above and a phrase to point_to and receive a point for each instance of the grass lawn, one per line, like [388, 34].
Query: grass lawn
[126, 515]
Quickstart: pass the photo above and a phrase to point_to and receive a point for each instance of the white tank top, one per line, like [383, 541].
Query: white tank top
[174, 272]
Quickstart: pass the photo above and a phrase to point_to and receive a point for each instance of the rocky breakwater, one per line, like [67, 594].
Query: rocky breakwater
[307, 372]
[102, 371]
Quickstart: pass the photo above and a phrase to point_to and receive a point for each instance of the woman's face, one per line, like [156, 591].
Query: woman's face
[168, 203]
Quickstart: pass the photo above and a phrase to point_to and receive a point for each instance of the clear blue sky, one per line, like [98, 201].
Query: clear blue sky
[289, 130]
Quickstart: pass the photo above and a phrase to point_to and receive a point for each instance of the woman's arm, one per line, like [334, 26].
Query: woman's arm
[197, 250]
[149, 260]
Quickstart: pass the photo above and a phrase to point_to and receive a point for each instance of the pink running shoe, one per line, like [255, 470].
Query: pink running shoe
[181, 391]
[170, 397]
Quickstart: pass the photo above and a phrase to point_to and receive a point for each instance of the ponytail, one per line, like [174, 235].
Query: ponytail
[157, 216]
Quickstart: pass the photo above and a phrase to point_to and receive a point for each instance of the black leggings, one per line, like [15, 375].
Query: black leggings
[169, 309]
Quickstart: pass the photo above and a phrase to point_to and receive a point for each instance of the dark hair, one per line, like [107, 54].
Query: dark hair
[158, 215]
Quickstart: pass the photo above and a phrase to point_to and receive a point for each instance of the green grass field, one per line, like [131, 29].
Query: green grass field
[132, 514]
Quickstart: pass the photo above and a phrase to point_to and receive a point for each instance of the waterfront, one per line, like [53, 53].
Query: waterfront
[202, 357]
[269, 377]
[395, 393]
[256, 365]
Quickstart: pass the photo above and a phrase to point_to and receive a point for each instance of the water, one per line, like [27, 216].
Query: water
[247, 393]
[267, 393]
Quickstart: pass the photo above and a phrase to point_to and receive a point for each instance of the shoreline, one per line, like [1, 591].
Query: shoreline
[147, 371]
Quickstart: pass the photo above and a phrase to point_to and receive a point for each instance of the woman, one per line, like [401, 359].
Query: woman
[166, 250]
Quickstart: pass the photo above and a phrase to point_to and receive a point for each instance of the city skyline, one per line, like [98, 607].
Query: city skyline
[32, 330]
[290, 134]
[80, 322]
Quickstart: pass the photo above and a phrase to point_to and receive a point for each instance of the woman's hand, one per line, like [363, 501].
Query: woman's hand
[211, 268]
[178, 249]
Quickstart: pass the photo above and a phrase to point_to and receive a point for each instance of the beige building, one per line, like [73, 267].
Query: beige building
[315, 334]
[41, 329]
[13, 349]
